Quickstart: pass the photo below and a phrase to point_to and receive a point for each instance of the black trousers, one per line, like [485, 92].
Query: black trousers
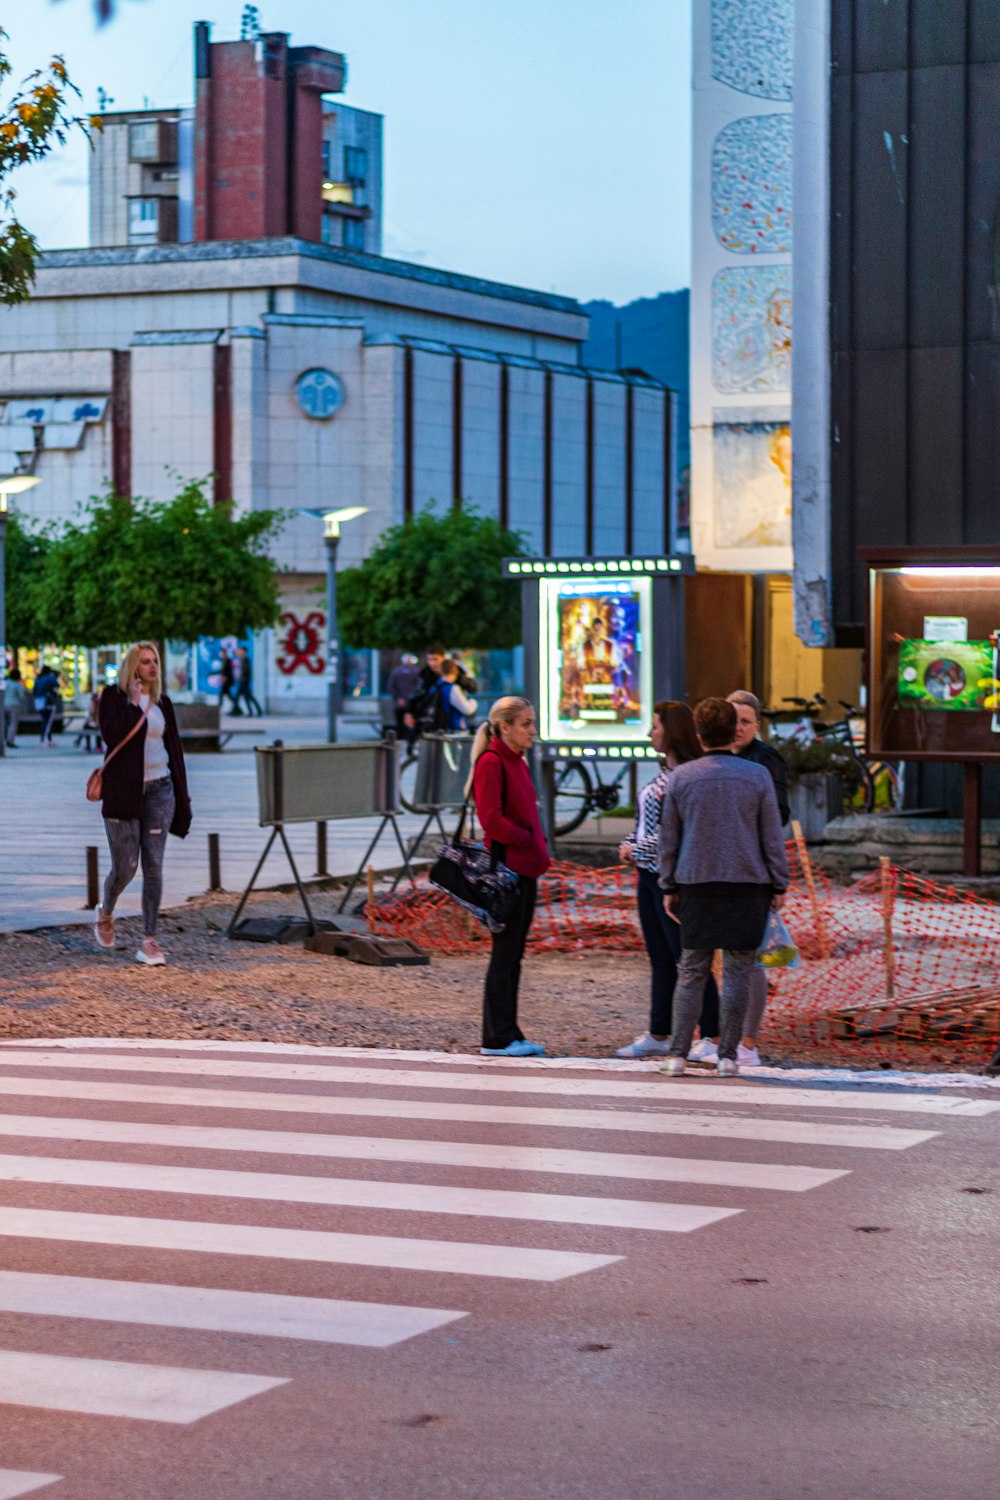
[503, 976]
[662, 936]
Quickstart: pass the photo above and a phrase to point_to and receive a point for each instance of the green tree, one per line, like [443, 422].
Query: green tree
[24, 561]
[32, 121]
[175, 570]
[436, 577]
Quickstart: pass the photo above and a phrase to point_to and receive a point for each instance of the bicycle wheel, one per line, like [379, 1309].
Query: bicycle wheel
[860, 797]
[574, 797]
[887, 781]
[408, 781]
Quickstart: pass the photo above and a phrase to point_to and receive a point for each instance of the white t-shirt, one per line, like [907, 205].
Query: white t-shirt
[157, 764]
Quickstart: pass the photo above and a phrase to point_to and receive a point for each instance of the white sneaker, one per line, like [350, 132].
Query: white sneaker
[747, 1057]
[704, 1051]
[645, 1046]
[99, 917]
[155, 958]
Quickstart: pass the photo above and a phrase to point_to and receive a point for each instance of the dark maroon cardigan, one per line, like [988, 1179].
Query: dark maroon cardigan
[123, 778]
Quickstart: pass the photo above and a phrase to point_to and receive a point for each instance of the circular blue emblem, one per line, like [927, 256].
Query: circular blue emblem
[320, 394]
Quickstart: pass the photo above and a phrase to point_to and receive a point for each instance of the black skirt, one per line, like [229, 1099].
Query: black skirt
[719, 915]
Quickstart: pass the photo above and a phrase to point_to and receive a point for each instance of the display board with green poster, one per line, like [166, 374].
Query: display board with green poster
[933, 679]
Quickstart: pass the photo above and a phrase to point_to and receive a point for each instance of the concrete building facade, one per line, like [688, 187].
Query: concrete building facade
[299, 375]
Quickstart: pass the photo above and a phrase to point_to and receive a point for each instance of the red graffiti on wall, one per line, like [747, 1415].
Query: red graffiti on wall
[302, 644]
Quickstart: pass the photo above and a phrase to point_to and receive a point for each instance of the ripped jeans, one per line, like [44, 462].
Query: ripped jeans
[145, 837]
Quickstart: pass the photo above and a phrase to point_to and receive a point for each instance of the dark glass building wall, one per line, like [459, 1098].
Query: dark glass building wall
[914, 265]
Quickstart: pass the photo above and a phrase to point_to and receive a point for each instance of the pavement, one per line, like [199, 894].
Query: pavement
[46, 824]
[242, 1271]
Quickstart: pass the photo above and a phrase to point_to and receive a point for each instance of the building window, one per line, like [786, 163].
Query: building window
[143, 219]
[355, 164]
[354, 234]
[327, 160]
[144, 141]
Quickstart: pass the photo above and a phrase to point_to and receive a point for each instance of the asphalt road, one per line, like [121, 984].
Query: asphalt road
[242, 1272]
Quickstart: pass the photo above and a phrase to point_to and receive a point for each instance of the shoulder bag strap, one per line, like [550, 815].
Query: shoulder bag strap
[110, 755]
[498, 852]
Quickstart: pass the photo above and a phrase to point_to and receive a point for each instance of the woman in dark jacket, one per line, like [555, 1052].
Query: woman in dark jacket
[144, 792]
[507, 809]
[674, 738]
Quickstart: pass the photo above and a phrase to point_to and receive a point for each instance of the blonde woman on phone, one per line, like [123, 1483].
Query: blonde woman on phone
[145, 793]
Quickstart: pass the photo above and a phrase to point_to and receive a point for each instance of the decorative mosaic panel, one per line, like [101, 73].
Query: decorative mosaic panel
[752, 185]
[752, 502]
[752, 328]
[752, 46]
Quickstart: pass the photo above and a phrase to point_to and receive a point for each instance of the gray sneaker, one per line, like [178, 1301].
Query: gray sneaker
[673, 1067]
[645, 1046]
[727, 1068]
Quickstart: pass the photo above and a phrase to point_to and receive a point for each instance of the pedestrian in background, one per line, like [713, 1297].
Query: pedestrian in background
[144, 789]
[673, 737]
[459, 708]
[47, 703]
[722, 868]
[15, 702]
[402, 684]
[243, 672]
[507, 808]
[226, 679]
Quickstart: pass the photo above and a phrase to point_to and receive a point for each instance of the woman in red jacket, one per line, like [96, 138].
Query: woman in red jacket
[507, 809]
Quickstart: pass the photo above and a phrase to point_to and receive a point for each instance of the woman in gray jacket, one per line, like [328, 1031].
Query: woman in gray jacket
[722, 868]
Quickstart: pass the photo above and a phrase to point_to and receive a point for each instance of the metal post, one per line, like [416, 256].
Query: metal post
[93, 878]
[3, 630]
[972, 787]
[334, 694]
[214, 863]
[321, 865]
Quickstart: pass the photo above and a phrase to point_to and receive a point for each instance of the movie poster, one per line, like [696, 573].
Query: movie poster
[595, 668]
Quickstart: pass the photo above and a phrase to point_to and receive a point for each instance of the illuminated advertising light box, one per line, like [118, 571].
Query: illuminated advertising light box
[934, 654]
[595, 674]
[603, 643]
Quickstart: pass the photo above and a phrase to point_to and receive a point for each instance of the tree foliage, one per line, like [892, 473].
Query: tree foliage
[434, 578]
[32, 121]
[25, 550]
[134, 570]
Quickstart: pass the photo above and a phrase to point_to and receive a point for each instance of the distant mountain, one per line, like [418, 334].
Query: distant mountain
[651, 334]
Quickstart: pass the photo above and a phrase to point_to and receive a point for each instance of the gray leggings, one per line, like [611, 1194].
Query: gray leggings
[145, 837]
[692, 971]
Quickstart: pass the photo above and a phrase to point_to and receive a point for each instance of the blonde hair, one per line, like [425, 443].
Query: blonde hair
[503, 711]
[130, 662]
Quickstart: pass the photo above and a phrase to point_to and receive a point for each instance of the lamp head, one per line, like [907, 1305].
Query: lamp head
[16, 484]
[332, 518]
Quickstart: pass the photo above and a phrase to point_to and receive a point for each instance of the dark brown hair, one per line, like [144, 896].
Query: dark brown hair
[715, 721]
[678, 726]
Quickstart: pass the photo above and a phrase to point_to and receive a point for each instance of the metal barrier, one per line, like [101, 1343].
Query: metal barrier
[325, 784]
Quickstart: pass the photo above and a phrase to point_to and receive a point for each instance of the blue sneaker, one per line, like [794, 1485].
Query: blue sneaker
[514, 1049]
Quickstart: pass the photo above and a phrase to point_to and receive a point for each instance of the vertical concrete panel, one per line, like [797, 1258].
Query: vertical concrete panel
[383, 438]
[481, 435]
[249, 421]
[432, 428]
[649, 499]
[569, 465]
[609, 466]
[526, 454]
[172, 416]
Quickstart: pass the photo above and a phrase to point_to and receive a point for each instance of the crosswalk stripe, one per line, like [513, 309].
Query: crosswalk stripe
[112, 1388]
[327, 1320]
[792, 1179]
[672, 1122]
[17, 1482]
[674, 1091]
[322, 1246]
[351, 1192]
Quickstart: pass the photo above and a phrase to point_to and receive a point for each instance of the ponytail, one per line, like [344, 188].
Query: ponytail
[503, 711]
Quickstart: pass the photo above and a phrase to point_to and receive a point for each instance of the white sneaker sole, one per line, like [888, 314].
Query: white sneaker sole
[97, 935]
[142, 957]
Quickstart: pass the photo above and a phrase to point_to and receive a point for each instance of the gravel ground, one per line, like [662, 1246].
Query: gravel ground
[55, 982]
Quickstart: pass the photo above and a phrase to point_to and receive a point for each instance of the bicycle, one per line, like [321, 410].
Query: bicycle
[870, 782]
[577, 796]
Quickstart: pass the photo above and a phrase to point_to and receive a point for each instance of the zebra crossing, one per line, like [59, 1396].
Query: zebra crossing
[134, 1181]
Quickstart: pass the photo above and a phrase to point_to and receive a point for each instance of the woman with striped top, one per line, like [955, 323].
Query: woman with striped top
[673, 737]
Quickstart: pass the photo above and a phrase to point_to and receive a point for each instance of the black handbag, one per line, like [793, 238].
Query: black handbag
[476, 877]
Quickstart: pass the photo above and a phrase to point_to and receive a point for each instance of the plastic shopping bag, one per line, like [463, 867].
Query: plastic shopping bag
[777, 951]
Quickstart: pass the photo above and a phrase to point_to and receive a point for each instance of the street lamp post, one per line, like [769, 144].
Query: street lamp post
[332, 521]
[13, 484]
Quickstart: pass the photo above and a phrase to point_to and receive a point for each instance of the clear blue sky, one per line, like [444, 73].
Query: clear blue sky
[540, 142]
